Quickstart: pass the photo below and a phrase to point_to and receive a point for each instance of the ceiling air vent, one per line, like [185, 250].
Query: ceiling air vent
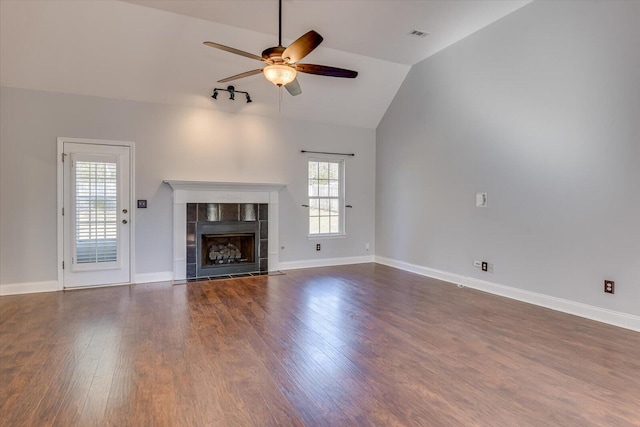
[419, 33]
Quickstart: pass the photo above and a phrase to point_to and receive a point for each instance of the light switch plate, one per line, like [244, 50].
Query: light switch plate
[481, 200]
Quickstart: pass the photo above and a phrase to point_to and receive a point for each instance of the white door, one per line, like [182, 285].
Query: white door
[96, 215]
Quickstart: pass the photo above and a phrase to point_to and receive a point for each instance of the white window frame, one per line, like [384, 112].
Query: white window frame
[341, 198]
[96, 264]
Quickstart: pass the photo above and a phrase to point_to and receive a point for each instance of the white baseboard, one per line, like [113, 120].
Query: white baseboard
[325, 262]
[616, 318]
[52, 285]
[160, 276]
[603, 315]
[29, 287]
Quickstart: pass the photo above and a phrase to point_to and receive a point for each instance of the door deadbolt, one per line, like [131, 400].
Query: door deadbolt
[124, 221]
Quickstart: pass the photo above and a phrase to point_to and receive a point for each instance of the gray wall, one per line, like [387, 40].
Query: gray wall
[542, 111]
[171, 143]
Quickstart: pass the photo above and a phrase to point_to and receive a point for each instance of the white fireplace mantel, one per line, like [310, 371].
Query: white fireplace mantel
[219, 192]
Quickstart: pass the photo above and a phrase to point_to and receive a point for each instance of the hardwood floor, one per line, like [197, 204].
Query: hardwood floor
[352, 345]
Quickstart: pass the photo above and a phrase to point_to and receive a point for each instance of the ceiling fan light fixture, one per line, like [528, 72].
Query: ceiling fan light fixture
[283, 63]
[279, 74]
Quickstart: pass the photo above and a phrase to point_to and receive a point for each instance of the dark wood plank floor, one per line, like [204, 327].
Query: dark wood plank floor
[340, 346]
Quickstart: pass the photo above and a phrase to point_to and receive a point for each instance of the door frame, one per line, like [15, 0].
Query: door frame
[60, 204]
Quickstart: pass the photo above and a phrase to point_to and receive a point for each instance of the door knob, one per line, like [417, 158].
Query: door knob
[124, 211]
[124, 221]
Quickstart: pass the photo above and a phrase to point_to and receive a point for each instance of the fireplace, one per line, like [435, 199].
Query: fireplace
[209, 201]
[227, 248]
[226, 239]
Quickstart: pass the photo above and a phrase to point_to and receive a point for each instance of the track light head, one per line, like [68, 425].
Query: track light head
[215, 94]
[248, 98]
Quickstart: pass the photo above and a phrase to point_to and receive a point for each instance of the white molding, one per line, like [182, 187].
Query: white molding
[160, 276]
[611, 317]
[29, 287]
[54, 285]
[326, 236]
[223, 186]
[325, 262]
[59, 207]
[133, 208]
[108, 285]
[220, 192]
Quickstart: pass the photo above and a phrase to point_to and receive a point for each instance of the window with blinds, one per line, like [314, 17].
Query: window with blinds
[96, 204]
[325, 180]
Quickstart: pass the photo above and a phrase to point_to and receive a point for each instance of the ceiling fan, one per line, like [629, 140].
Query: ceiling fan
[282, 63]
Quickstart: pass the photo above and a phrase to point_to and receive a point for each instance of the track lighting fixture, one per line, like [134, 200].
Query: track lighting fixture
[232, 93]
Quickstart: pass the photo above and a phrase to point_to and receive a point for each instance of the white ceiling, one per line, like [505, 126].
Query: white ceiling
[138, 52]
[375, 28]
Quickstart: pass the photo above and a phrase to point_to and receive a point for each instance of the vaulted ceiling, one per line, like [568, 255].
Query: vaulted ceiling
[152, 51]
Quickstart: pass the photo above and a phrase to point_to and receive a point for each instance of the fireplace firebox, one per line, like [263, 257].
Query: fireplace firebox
[227, 248]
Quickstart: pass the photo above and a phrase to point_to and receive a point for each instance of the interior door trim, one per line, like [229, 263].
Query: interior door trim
[60, 201]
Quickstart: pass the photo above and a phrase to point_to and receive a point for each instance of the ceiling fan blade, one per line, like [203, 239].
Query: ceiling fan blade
[233, 50]
[325, 70]
[293, 88]
[241, 75]
[302, 47]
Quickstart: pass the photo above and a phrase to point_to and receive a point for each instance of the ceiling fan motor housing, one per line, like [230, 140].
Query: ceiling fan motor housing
[274, 54]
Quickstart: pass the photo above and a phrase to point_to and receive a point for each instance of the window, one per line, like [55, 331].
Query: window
[96, 211]
[326, 197]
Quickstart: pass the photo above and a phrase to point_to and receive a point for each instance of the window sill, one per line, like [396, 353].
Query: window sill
[326, 236]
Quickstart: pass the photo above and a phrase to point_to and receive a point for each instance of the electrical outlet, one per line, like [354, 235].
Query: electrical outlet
[485, 266]
[317, 246]
[609, 286]
[366, 247]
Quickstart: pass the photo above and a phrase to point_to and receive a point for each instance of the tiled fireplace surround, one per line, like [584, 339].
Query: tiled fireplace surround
[211, 200]
[228, 213]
